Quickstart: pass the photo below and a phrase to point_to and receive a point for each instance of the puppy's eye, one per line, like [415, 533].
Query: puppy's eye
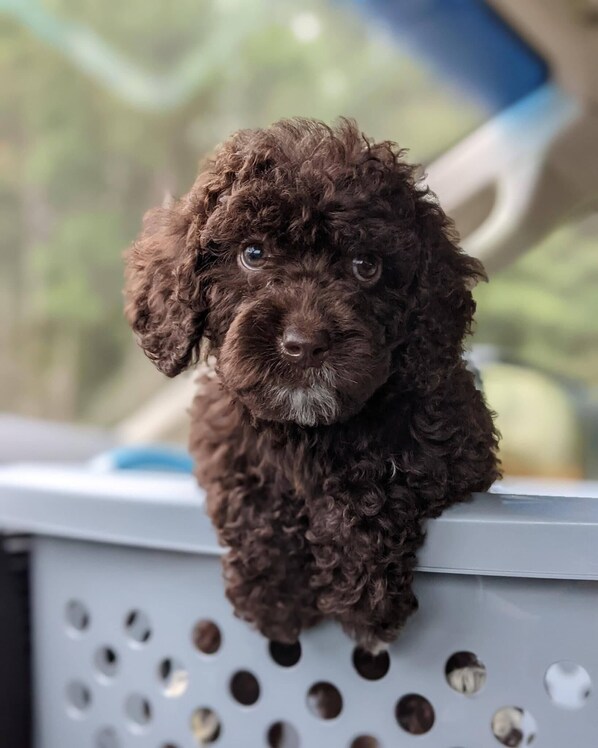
[253, 257]
[367, 268]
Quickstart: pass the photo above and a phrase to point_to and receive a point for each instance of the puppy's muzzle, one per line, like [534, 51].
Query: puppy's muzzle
[305, 349]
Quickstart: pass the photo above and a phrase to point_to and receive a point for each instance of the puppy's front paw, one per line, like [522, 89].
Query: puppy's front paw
[368, 641]
[374, 646]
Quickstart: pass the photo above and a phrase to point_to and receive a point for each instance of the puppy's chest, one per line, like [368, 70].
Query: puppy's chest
[312, 473]
[294, 471]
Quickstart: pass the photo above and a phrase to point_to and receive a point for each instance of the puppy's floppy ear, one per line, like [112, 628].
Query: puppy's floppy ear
[163, 288]
[443, 305]
[166, 268]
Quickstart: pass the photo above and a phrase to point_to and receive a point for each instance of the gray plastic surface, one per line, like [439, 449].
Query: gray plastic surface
[509, 579]
[498, 534]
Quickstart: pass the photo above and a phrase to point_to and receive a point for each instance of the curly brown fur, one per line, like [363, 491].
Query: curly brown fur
[318, 477]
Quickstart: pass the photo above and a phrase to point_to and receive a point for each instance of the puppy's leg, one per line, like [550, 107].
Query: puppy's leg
[261, 522]
[267, 567]
[364, 561]
[388, 599]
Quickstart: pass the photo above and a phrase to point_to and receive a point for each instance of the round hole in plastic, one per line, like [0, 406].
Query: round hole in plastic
[245, 688]
[283, 735]
[365, 741]
[569, 685]
[207, 637]
[465, 673]
[371, 666]
[106, 661]
[285, 655]
[514, 726]
[107, 737]
[415, 714]
[138, 627]
[174, 677]
[324, 700]
[77, 616]
[139, 710]
[205, 726]
[78, 698]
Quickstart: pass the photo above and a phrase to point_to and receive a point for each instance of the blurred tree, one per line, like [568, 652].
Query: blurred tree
[543, 310]
[540, 428]
[106, 107]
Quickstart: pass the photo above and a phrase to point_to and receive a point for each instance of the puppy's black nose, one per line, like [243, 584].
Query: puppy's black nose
[305, 348]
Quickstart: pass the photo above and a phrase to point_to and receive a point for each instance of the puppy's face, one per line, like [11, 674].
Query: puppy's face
[303, 311]
[302, 254]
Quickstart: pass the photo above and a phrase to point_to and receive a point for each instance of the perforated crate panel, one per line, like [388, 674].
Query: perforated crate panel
[118, 663]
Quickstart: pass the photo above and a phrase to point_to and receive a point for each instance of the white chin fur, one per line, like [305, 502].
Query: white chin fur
[306, 406]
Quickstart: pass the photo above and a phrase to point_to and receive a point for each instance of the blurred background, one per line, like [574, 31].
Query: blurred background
[107, 107]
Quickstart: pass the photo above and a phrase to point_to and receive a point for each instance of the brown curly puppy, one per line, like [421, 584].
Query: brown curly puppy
[332, 294]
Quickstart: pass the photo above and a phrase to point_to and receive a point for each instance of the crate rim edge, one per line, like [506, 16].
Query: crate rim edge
[495, 534]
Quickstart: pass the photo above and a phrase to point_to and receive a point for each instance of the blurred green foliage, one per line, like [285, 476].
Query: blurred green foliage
[106, 107]
[543, 310]
[85, 151]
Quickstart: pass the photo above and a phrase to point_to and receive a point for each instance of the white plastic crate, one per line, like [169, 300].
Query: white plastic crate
[127, 591]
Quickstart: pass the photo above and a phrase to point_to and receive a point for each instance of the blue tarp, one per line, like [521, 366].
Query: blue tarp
[467, 43]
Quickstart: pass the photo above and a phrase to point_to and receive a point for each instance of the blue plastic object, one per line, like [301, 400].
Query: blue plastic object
[145, 457]
[466, 42]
